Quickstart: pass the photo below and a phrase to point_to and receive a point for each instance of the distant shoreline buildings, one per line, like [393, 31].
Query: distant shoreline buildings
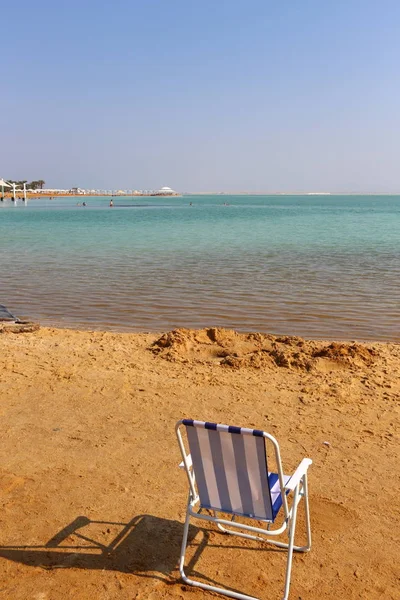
[77, 191]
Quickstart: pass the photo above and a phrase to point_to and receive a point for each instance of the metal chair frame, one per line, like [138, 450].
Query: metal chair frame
[297, 484]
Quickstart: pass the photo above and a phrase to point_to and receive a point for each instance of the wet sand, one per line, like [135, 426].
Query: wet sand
[92, 499]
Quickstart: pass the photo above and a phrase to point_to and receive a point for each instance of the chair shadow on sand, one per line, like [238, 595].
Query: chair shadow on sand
[147, 546]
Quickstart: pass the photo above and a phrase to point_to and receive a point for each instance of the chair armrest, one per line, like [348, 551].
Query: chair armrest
[298, 474]
[188, 460]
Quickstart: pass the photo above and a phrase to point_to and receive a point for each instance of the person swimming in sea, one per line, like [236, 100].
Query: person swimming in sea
[111, 202]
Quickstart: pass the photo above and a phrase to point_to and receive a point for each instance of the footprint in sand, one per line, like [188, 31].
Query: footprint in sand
[331, 518]
[9, 482]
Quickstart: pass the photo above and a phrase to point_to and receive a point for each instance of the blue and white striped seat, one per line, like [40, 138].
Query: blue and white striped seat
[230, 466]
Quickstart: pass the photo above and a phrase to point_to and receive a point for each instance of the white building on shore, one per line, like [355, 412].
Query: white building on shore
[166, 191]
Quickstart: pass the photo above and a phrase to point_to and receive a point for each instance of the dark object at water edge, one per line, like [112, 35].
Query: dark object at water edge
[11, 324]
[5, 315]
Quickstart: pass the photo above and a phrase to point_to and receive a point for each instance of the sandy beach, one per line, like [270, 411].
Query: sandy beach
[92, 501]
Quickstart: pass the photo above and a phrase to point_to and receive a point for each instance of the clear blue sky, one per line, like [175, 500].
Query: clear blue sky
[202, 95]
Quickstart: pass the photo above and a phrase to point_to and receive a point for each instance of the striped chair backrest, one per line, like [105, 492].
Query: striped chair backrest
[230, 466]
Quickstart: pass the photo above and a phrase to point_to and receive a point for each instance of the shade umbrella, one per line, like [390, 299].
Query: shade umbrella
[3, 185]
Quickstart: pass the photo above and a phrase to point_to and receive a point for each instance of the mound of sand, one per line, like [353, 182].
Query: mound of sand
[257, 350]
[349, 353]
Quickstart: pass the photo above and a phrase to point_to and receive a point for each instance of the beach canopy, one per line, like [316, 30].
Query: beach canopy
[227, 472]
[4, 183]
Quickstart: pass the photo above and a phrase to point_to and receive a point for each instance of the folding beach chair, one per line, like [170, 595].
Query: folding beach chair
[228, 473]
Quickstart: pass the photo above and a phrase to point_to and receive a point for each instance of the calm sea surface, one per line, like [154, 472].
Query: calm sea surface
[316, 266]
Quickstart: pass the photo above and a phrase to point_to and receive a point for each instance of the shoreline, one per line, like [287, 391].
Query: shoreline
[328, 196]
[56, 326]
[89, 450]
[39, 195]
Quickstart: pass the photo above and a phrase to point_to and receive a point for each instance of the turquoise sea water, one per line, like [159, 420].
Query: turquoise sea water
[316, 266]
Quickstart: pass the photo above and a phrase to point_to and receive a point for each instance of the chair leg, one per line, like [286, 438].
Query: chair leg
[307, 512]
[204, 586]
[292, 529]
[184, 543]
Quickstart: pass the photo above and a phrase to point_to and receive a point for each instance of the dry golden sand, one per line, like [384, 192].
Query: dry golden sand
[92, 501]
